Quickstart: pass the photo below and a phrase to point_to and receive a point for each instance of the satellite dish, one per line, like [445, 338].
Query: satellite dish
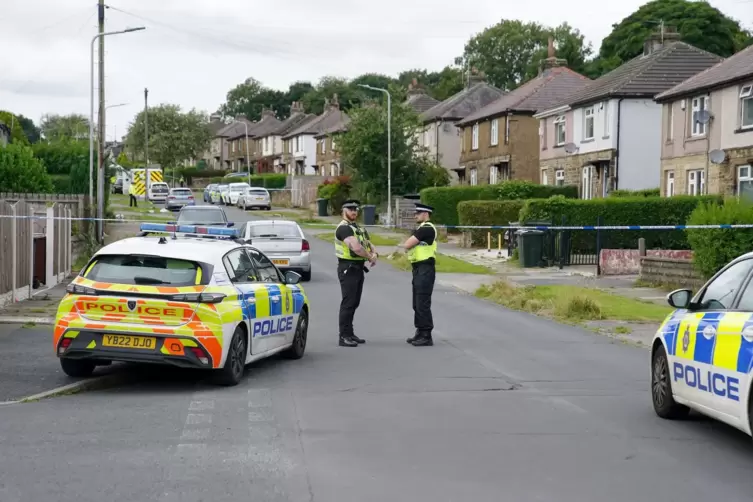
[717, 156]
[571, 148]
[704, 117]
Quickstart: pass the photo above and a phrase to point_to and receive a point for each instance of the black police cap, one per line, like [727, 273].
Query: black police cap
[423, 208]
[351, 204]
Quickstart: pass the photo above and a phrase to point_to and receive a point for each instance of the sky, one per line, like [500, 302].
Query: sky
[194, 51]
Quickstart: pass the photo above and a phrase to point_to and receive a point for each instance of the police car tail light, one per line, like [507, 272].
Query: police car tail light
[64, 345]
[76, 289]
[305, 246]
[199, 297]
[200, 355]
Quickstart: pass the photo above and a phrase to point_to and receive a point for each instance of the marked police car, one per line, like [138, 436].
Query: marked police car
[214, 303]
[702, 354]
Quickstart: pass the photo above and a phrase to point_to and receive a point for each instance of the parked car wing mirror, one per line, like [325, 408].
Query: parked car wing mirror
[230, 224]
[680, 298]
[292, 277]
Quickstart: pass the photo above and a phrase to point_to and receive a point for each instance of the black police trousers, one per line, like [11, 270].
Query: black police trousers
[351, 276]
[424, 275]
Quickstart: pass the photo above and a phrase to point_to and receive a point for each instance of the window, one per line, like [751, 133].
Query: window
[607, 119]
[696, 182]
[474, 137]
[507, 130]
[324, 145]
[745, 181]
[426, 138]
[494, 139]
[721, 292]
[493, 175]
[588, 123]
[670, 121]
[746, 106]
[559, 177]
[267, 271]
[669, 190]
[699, 105]
[559, 130]
[587, 182]
[544, 177]
[474, 176]
[143, 270]
[239, 267]
[298, 143]
[333, 143]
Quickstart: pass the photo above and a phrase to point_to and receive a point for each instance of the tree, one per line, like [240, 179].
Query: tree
[174, 136]
[14, 123]
[363, 149]
[32, 132]
[62, 127]
[347, 95]
[62, 157]
[510, 52]
[698, 24]
[439, 85]
[21, 172]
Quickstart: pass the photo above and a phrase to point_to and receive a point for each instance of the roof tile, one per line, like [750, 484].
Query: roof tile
[462, 103]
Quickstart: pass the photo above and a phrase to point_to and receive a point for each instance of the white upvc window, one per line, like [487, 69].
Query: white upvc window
[588, 123]
[334, 144]
[559, 130]
[587, 182]
[544, 177]
[474, 137]
[699, 104]
[607, 118]
[324, 144]
[474, 176]
[494, 139]
[669, 190]
[493, 175]
[670, 121]
[745, 181]
[559, 177]
[426, 138]
[696, 182]
[746, 107]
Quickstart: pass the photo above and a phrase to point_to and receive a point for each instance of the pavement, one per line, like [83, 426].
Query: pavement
[505, 406]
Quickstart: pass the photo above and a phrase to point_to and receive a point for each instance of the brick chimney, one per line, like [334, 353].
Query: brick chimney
[414, 88]
[215, 117]
[334, 103]
[552, 61]
[659, 39]
[267, 112]
[241, 117]
[296, 107]
[476, 77]
[326, 103]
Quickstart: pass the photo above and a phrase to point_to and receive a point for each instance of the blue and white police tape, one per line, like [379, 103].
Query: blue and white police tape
[267, 215]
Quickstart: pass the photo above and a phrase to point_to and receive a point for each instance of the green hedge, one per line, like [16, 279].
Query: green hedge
[620, 211]
[488, 212]
[708, 255]
[445, 200]
[268, 180]
[648, 192]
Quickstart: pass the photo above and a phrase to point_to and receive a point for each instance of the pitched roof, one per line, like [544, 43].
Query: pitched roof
[235, 128]
[646, 75]
[215, 126]
[462, 103]
[266, 126]
[736, 67]
[421, 102]
[331, 117]
[294, 121]
[340, 126]
[540, 93]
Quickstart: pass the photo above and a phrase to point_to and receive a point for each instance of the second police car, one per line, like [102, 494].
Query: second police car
[209, 302]
[702, 354]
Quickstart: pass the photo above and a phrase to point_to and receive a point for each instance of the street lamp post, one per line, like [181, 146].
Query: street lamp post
[91, 106]
[389, 148]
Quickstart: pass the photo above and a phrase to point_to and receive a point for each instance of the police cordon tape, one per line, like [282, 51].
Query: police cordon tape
[461, 227]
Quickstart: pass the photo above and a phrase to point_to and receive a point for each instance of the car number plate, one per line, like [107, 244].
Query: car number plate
[129, 342]
[280, 262]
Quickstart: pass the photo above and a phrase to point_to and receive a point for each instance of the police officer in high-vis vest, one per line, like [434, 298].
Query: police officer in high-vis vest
[421, 249]
[353, 250]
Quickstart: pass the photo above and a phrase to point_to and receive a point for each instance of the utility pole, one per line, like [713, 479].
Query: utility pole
[102, 137]
[146, 142]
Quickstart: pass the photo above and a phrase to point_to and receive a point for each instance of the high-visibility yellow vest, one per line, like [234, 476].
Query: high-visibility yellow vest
[424, 251]
[342, 250]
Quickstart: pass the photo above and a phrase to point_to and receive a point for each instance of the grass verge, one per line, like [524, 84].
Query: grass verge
[445, 264]
[376, 239]
[572, 303]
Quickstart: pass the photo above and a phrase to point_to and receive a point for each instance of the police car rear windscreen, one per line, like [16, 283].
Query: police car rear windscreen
[144, 270]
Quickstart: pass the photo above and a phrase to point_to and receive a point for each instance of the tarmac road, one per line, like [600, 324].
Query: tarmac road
[504, 407]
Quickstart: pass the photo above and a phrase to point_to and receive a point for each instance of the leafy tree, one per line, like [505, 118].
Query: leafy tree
[62, 127]
[250, 98]
[21, 172]
[63, 156]
[174, 136]
[14, 122]
[363, 149]
[439, 85]
[510, 52]
[698, 23]
[32, 132]
[347, 95]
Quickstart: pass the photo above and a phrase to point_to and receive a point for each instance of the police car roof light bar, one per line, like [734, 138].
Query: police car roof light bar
[214, 232]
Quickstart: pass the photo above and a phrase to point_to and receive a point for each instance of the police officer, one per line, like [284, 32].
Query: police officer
[353, 250]
[421, 249]
[132, 202]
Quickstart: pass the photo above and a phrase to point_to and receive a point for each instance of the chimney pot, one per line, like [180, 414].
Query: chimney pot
[551, 47]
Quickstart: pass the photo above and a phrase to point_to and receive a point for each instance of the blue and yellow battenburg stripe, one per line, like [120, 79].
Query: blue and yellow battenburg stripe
[710, 337]
[258, 304]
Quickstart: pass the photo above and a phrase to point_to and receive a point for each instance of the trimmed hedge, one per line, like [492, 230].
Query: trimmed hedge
[268, 180]
[708, 255]
[445, 199]
[620, 211]
[488, 212]
[648, 192]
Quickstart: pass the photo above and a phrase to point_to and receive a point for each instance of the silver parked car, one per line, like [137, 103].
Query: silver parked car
[283, 242]
[255, 197]
[179, 198]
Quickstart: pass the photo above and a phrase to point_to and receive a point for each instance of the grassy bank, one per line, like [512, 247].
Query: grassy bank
[445, 264]
[572, 303]
[376, 239]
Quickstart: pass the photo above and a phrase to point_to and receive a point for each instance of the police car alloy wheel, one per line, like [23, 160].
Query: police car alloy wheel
[661, 388]
[299, 340]
[235, 364]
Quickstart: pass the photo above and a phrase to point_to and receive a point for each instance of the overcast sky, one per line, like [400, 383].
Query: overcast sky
[194, 51]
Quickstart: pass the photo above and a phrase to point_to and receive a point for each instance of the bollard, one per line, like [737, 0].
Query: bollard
[642, 247]
[488, 242]
[499, 245]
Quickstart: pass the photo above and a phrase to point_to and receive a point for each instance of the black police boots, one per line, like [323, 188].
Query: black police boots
[411, 339]
[422, 340]
[348, 341]
[359, 340]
